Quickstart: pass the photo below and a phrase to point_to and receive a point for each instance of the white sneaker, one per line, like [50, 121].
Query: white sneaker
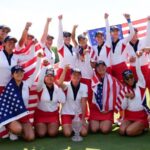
[13, 137]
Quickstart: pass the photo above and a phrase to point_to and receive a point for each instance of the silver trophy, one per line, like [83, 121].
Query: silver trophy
[76, 127]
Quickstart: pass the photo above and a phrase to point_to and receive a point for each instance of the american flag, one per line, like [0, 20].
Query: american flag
[29, 68]
[11, 104]
[114, 95]
[112, 88]
[140, 24]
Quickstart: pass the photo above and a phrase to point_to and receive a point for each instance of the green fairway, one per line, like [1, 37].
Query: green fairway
[92, 142]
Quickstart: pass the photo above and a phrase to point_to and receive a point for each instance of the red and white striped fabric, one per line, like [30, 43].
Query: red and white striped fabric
[111, 89]
[29, 68]
[140, 24]
[93, 55]
[120, 97]
[113, 92]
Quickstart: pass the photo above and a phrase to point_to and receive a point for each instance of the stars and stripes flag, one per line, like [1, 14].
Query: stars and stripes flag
[140, 24]
[110, 89]
[11, 104]
[29, 67]
[114, 93]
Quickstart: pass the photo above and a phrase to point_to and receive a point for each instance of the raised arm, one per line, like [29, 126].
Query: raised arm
[60, 81]
[108, 36]
[32, 78]
[73, 36]
[131, 30]
[60, 41]
[147, 38]
[45, 32]
[41, 79]
[24, 34]
[141, 80]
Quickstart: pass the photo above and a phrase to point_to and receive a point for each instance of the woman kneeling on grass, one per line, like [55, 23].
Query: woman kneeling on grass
[76, 99]
[14, 103]
[47, 112]
[104, 88]
[135, 118]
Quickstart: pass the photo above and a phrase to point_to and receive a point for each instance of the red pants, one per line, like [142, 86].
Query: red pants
[118, 69]
[68, 74]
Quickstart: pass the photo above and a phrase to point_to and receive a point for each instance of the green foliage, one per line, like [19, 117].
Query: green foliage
[54, 49]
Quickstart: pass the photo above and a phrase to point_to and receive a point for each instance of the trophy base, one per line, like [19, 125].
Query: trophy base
[77, 138]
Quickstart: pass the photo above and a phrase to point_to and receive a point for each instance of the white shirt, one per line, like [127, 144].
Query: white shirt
[85, 66]
[129, 51]
[65, 56]
[135, 104]
[145, 42]
[68, 58]
[5, 68]
[50, 55]
[29, 82]
[105, 53]
[46, 104]
[118, 56]
[71, 105]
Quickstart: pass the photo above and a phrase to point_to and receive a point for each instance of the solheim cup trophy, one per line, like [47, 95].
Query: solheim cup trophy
[76, 127]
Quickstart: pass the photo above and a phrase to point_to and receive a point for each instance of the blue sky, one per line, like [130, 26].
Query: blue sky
[88, 14]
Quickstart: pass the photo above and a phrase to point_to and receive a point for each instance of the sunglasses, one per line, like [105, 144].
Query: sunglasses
[129, 77]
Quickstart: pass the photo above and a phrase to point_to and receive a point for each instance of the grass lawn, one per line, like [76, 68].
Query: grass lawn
[111, 141]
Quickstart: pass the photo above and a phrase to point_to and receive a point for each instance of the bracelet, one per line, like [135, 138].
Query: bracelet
[129, 20]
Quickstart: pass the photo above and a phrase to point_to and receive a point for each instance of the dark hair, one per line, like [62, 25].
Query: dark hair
[134, 84]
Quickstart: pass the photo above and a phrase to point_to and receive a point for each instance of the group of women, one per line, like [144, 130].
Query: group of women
[94, 81]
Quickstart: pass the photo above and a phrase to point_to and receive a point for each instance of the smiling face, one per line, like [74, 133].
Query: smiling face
[115, 34]
[130, 81]
[99, 38]
[83, 42]
[67, 40]
[49, 79]
[49, 42]
[3, 33]
[18, 75]
[101, 69]
[75, 78]
[9, 45]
